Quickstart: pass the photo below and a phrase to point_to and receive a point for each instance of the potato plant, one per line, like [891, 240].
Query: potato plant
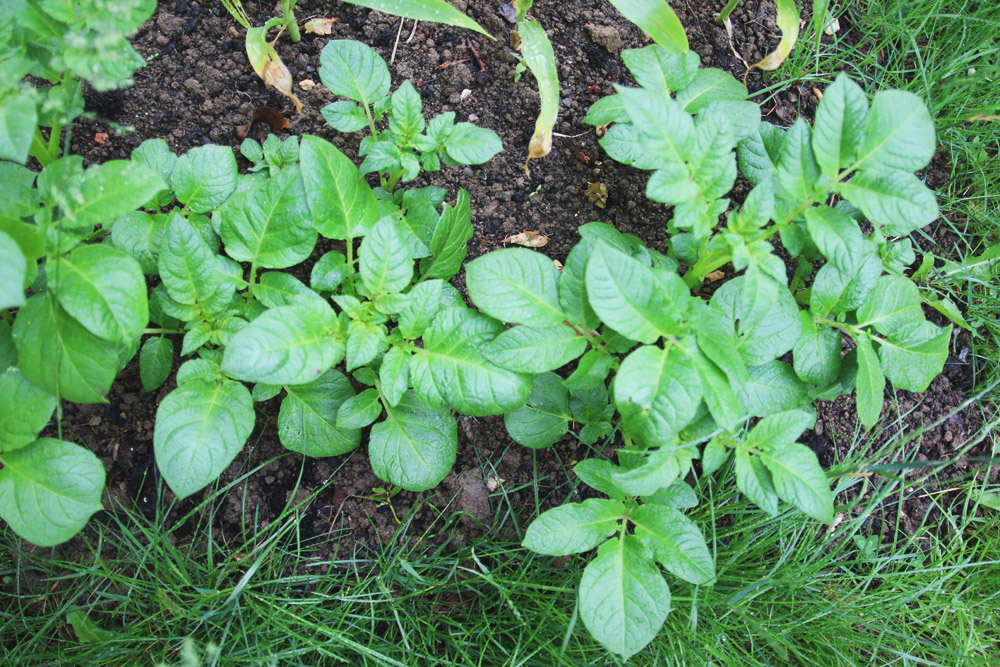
[730, 377]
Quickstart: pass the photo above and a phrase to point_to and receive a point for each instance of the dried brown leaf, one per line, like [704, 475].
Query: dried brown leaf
[101, 138]
[268, 115]
[320, 26]
[307, 84]
[714, 276]
[527, 239]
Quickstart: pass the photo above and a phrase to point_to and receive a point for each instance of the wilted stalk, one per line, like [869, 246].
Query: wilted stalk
[538, 56]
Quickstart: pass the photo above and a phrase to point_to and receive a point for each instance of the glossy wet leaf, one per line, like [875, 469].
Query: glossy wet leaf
[676, 542]
[544, 419]
[414, 446]
[574, 528]
[308, 415]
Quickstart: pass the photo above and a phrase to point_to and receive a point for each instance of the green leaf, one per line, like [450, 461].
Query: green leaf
[24, 412]
[515, 285]
[590, 371]
[657, 20]
[342, 204]
[406, 118]
[754, 480]
[365, 341]
[914, 354]
[544, 419]
[675, 541]
[188, 267]
[572, 286]
[49, 490]
[436, 11]
[420, 309]
[451, 365]
[359, 411]
[59, 355]
[772, 387]
[893, 303]
[838, 290]
[657, 392]
[897, 201]
[448, 244]
[721, 400]
[110, 190]
[678, 495]
[607, 110]
[18, 118]
[139, 234]
[838, 237]
[714, 455]
[200, 428]
[660, 70]
[711, 161]
[899, 133]
[13, 268]
[384, 259]
[307, 419]
[667, 129]
[816, 355]
[534, 350]
[839, 125]
[710, 85]
[775, 333]
[626, 144]
[353, 70]
[287, 345]
[156, 359]
[574, 528]
[623, 597]
[799, 480]
[469, 144]
[104, 289]
[596, 473]
[277, 288]
[798, 172]
[414, 446]
[204, 177]
[329, 272]
[657, 470]
[632, 299]
[871, 382]
[156, 155]
[779, 429]
[394, 374]
[758, 154]
[269, 225]
[537, 56]
[345, 116]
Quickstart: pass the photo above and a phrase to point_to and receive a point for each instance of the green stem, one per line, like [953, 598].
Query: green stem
[726, 11]
[54, 140]
[160, 331]
[40, 150]
[288, 9]
[250, 283]
[394, 179]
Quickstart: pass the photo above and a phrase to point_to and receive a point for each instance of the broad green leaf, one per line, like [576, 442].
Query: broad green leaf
[307, 419]
[914, 354]
[667, 128]
[436, 11]
[24, 412]
[342, 204]
[660, 70]
[772, 387]
[359, 411]
[596, 473]
[657, 392]
[420, 308]
[799, 480]
[515, 285]
[676, 542]
[344, 116]
[659, 469]
[759, 153]
[798, 172]
[414, 446]
[896, 201]
[838, 237]
[775, 333]
[471, 144]
[572, 286]
[534, 350]
[8, 352]
[722, 402]
[156, 155]
[632, 299]
[817, 352]
[448, 244]
[269, 225]
[657, 20]
[109, 190]
[385, 264]
[263, 392]
[156, 359]
[49, 489]
[287, 345]
[870, 381]
[365, 341]
[742, 117]
[104, 289]
[712, 163]
[406, 119]
[394, 374]
[18, 117]
[544, 419]
[839, 125]
[574, 528]
[623, 597]
[353, 70]
[59, 355]
[779, 429]
[893, 303]
[710, 85]
[329, 272]
[754, 480]
[188, 267]
[672, 185]
[899, 133]
[713, 456]
[204, 177]
[139, 234]
[626, 144]
[839, 290]
[678, 495]
[200, 428]
[606, 110]
[590, 371]
[277, 288]
[13, 268]
[451, 365]
[205, 369]
[86, 630]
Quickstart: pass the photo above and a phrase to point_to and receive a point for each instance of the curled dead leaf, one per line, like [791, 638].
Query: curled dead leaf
[714, 276]
[539, 146]
[307, 84]
[101, 138]
[597, 194]
[267, 115]
[268, 65]
[527, 239]
[559, 265]
[320, 26]
[277, 76]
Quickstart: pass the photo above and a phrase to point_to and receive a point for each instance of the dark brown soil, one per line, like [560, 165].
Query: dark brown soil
[198, 87]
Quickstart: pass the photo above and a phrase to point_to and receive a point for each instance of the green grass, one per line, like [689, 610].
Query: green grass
[789, 591]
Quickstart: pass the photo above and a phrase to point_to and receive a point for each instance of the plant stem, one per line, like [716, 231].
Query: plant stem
[726, 11]
[40, 150]
[288, 9]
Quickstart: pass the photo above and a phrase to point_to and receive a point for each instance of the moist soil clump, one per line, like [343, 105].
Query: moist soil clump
[198, 88]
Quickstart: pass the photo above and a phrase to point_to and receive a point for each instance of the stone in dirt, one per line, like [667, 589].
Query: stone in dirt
[606, 36]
